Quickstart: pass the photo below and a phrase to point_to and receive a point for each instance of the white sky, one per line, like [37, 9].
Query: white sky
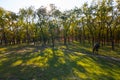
[14, 5]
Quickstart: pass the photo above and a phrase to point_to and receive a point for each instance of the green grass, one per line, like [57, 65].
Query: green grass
[23, 62]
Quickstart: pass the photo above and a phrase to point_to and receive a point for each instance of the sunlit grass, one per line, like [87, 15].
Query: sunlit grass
[94, 69]
[2, 49]
[17, 63]
[108, 51]
[74, 62]
[59, 53]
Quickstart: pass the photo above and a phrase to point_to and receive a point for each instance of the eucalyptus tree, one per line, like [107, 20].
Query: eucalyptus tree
[79, 24]
[54, 27]
[21, 26]
[100, 20]
[57, 13]
[52, 31]
[111, 22]
[26, 15]
[88, 13]
[2, 26]
[42, 19]
[66, 22]
[118, 22]
[23, 19]
[4, 18]
[7, 26]
[13, 18]
[64, 18]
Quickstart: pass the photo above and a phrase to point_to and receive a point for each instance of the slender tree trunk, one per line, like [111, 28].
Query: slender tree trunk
[68, 39]
[65, 40]
[112, 39]
[0, 41]
[107, 36]
[28, 36]
[53, 42]
[72, 36]
[4, 39]
[42, 36]
[92, 40]
[83, 35]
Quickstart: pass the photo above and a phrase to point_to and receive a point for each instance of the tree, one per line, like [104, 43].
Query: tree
[41, 13]
[2, 26]
[27, 15]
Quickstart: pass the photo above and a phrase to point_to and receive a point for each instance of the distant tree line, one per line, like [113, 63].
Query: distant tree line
[99, 21]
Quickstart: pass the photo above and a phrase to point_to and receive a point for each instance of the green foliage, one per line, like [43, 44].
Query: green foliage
[98, 21]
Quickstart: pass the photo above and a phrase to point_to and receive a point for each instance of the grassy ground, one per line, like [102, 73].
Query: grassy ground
[23, 62]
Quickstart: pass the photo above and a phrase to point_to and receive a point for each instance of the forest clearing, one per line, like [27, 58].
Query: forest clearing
[46, 43]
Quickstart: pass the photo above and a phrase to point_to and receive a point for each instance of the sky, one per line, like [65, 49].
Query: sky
[15, 5]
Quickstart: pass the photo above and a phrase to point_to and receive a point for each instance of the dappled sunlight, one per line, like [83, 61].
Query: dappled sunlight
[50, 43]
[3, 49]
[90, 67]
[26, 49]
[111, 53]
[48, 53]
[17, 63]
[2, 60]
[61, 60]
[59, 53]
[38, 62]
[78, 48]
[60, 63]
[78, 53]
[42, 59]
[76, 56]
[88, 49]
[62, 47]
[79, 74]
[73, 58]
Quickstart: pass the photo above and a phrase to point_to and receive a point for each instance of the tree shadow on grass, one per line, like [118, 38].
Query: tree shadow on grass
[80, 48]
[106, 50]
[98, 68]
[87, 49]
[39, 66]
[28, 66]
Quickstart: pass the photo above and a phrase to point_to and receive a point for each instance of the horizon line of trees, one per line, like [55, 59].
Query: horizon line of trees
[97, 22]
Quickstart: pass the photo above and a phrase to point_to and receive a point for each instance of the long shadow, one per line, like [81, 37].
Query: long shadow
[98, 68]
[109, 66]
[54, 70]
[107, 49]
[85, 49]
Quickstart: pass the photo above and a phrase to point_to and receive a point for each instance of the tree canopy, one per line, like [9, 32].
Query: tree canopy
[97, 22]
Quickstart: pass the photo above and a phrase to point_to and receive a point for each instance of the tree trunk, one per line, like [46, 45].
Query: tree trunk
[112, 39]
[65, 40]
[92, 40]
[4, 38]
[53, 41]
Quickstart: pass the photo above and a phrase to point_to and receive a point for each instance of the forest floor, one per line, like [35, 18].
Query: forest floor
[75, 62]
